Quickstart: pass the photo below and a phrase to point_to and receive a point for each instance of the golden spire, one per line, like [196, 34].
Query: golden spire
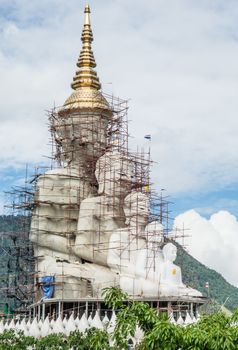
[86, 76]
[86, 83]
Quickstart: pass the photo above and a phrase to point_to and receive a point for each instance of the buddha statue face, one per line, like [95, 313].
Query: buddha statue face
[136, 208]
[154, 232]
[81, 136]
[114, 174]
[169, 252]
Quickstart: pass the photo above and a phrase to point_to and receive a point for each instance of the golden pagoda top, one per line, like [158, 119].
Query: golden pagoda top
[86, 76]
[87, 94]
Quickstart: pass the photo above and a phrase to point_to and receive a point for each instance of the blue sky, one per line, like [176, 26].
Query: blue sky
[175, 60]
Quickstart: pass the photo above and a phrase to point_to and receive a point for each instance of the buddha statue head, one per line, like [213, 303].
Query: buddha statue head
[136, 209]
[154, 232]
[114, 174]
[169, 252]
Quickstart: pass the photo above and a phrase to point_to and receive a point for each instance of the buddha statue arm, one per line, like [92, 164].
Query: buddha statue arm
[86, 215]
[170, 274]
[56, 242]
[179, 276]
[140, 270]
[113, 258]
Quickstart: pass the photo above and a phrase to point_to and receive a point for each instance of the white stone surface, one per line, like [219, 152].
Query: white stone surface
[171, 277]
[96, 322]
[180, 320]
[83, 324]
[70, 325]
[45, 329]
[188, 319]
[105, 320]
[58, 326]
[34, 330]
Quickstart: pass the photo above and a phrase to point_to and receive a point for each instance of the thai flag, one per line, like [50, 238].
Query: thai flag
[148, 137]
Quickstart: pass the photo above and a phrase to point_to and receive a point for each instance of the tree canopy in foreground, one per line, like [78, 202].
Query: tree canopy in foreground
[211, 332]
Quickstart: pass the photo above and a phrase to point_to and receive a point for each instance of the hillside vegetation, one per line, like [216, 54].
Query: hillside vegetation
[16, 262]
[195, 274]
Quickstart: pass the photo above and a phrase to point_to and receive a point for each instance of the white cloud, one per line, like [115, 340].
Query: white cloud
[213, 241]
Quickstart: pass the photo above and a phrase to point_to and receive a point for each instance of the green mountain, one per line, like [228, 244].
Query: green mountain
[16, 262]
[195, 274]
[13, 267]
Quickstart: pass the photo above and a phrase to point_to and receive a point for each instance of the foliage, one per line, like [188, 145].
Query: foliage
[11, 223]
[212, 332]
[163, 335]
[196, 275]
[92, 339]
[77, 339]
[96, 339]
[16, 262]
[115, 298]
[11, 341]
[52, 342]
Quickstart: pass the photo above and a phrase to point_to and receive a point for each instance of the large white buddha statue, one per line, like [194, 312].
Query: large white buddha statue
[55, 212]
[133, 253]
[171, 277]
[150, 258]
[101, 215]
[125, 242]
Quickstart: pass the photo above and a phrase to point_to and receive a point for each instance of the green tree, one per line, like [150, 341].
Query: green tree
[212, 332]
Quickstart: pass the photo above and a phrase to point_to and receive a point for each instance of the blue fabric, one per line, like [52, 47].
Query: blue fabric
[48, 286]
